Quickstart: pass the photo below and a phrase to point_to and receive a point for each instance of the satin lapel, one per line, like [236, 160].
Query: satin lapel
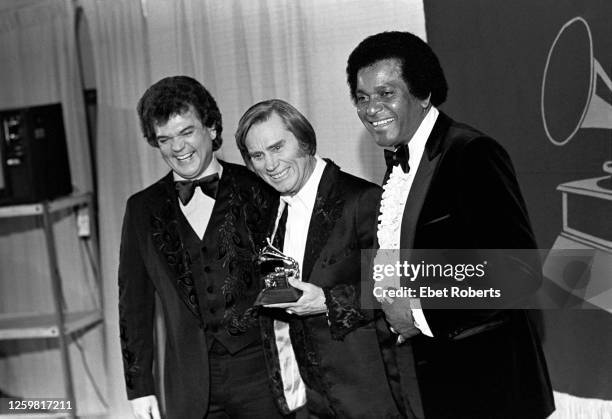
[422, 180]
[224, 188]
[385, 178]
[168, 233]
[375, 226]
[327, 210]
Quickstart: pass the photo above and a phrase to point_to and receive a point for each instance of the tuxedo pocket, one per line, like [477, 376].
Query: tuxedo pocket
[476, 330]
[343, 267]
[348, 254]
[436, 220]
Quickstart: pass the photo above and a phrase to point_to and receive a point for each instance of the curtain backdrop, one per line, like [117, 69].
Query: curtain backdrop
[39, 66]
[243, 52]
[125, 161]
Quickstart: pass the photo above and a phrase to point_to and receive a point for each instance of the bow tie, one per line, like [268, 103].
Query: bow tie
[399, 156]
[186, 188]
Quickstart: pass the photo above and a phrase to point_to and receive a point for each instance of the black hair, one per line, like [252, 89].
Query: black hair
[421, 69]
[174, 96]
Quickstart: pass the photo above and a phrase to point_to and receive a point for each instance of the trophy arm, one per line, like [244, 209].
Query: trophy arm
[270, 256]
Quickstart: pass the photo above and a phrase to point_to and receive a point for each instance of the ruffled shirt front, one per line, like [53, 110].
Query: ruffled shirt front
[394, 197]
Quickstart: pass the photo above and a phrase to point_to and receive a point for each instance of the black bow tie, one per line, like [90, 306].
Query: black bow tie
[399, 156]
[186, 188]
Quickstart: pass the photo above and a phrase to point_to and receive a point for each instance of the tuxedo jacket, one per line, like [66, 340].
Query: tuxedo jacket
[206, 287]
[480, 363]
[338, 354]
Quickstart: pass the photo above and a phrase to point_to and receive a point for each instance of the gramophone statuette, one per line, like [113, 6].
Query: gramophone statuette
[275, 269]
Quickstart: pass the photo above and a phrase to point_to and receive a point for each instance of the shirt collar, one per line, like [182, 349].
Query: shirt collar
[416, 145]
[307, 195]
[213, 167]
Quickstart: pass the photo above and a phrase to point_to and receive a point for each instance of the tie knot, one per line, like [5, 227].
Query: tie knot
[186, 188]
[288, 200]
[398, 157]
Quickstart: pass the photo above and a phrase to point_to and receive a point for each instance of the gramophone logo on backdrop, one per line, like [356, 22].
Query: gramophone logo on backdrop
[573, 85]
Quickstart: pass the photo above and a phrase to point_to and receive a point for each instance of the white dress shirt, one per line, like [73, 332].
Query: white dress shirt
[199, 209]
[416, 148]
[299, 212]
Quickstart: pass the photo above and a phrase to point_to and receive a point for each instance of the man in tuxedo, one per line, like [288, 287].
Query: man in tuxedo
[455, 188]
[190, 238]
[323, 349]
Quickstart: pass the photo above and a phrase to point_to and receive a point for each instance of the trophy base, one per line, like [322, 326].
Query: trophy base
[277, 295]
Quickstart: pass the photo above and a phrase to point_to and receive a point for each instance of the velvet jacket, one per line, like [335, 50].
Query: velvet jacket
[338, 354]
[206, 288]
[485, 363]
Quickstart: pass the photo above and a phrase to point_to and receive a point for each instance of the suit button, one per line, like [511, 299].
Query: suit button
[204, 249]
[207, 269]
[210, 289]
[213, 310]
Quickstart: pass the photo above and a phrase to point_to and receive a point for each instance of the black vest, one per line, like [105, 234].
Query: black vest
[223, 263]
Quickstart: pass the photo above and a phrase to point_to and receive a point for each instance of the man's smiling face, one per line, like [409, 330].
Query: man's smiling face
[185, 144]
[276, 156]
[387, 109]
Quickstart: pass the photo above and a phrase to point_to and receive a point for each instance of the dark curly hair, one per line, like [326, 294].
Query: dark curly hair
[421, 69]
[294, 121]
[173, 96]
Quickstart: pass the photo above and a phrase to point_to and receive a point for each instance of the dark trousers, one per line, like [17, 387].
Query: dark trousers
[239, 386]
